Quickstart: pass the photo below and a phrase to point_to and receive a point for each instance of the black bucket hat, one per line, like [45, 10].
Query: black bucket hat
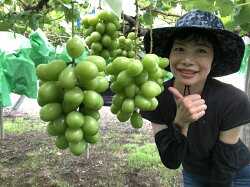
[231, 45]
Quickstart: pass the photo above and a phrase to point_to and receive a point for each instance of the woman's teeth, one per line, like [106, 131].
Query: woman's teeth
[187, 71]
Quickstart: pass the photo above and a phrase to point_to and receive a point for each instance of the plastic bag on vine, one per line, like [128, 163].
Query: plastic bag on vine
[42, 51]
[244, 64]
[5, 100]
[19, 71]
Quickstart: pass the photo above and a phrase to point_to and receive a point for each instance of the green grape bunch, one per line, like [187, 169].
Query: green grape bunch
[101, 33]
[135, 84]
[70, 99]
[126, 45]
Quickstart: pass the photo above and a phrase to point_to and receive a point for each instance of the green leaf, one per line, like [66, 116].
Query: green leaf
[69, 15]
[244, 14]
[187, 5]
[8, 2]
[245, 28]
[229, 24]
[33, 23]
[165, 5]
[66, 1]
[146, 18]
[44, 19]
[206, 5]
[143, 3]
[226, 7]
[203, 5]
[4, 26]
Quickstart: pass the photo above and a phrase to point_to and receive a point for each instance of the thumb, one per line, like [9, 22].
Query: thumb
[175, 92]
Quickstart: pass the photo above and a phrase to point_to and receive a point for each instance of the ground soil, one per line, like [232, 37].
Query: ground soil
[31, 159]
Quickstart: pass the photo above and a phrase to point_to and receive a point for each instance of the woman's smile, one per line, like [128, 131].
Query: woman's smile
[187, 73]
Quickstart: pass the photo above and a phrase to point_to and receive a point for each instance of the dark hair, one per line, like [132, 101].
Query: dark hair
[195, 34]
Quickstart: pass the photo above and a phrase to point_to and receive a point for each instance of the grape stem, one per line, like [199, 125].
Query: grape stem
[99, 6]
[123, 23]
[136, 27]
[243, 4]
[158, 11]
[72, 21]
[151, 25]
[72, 63]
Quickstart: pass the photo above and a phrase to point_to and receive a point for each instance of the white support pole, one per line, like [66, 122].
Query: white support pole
[1, 124]
[87, 155]
[16, 106]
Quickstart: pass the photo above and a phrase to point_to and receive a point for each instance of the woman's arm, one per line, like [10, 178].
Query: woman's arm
[171, 145]
[230, 136]
[225, 158]
[157, 127]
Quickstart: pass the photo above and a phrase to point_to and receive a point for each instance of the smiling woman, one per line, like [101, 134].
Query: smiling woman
[201, 129]
[191, 61]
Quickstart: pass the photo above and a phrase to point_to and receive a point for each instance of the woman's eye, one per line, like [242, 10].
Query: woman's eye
[202, 51]
[179, 49]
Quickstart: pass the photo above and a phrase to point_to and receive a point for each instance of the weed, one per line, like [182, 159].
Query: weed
[144, 156]
[32, 154]
[121, 158]
[31, 180]
[20, 125]
[147, 159]
[60, 183]
[129, 147]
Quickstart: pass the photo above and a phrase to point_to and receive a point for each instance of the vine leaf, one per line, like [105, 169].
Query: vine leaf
[4, 26]
[226, 7]
[206, 5]
[229, 24]
[69, 15]
[244, 13]
[33, 23]
[147, 20]
[203, 5]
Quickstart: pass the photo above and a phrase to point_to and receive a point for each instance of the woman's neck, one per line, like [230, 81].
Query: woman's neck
[189, 89]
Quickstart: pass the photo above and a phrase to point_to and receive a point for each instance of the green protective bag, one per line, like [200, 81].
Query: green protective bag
[244, 64]
[61, 54]
[19, 71]
[42, 51]
[5, 100]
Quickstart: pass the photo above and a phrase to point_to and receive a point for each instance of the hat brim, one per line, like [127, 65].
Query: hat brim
[232, 47]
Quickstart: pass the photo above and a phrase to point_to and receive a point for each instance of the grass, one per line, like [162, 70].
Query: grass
[61, 183]
[132, 153]
[32, 154]
[20, 125]
[31, 180]
[146, 158]
[136, 138]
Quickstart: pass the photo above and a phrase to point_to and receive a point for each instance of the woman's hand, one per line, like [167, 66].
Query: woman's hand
[189, 109]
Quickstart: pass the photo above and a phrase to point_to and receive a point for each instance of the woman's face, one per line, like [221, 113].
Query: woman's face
[190, 61]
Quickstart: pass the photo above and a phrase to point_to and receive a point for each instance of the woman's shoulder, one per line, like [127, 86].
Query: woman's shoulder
[217, 86]
[225, 91]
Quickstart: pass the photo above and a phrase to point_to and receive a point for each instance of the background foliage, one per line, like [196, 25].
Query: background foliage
[54, 17]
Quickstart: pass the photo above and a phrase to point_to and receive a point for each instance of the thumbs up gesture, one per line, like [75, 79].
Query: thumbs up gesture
[189, 108]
